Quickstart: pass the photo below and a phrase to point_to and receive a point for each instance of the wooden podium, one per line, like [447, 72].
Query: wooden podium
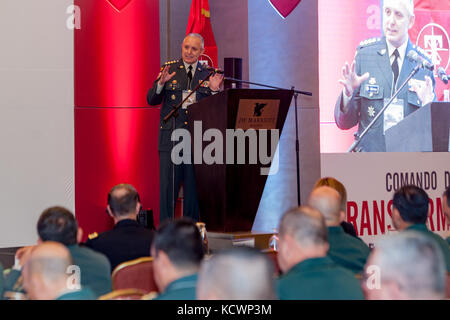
[229, 193]
[427, 129]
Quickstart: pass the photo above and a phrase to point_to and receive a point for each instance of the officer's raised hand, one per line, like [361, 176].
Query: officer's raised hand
[165, 76]
[425, 92]
[215, 81]
[351, 81]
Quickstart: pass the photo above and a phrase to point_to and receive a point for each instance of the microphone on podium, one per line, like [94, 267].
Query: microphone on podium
[442, 75]
[216, 70]
[424, 63]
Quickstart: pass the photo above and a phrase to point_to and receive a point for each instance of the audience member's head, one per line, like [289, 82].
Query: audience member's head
[59, 224]
[123, 202]
[336, 185]
[410, 206]
[236, 274]
[328, 202]
[408, 265]
[446, 204]
[177, 251]
[45, 272]
[303, 235]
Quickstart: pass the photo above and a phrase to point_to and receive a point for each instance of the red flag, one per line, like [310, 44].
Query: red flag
[199, 22]
[431, 32]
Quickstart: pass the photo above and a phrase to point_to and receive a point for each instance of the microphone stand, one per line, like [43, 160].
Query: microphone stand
[173, 114]
[358, 137]
[297, 144]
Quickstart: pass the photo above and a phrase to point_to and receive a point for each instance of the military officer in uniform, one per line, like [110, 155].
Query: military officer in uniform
[172, 85]
[308, 273]
[177, 253]
[379, 68]
[128, 240]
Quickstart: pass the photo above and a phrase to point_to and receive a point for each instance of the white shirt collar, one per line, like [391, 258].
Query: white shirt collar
[194, 66]
[401, 51]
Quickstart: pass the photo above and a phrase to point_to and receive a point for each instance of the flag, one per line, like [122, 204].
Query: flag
[431, 32]
[199, 22]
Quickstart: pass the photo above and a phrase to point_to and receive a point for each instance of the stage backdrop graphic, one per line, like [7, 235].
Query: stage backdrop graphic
[372, 178]
[116, 133]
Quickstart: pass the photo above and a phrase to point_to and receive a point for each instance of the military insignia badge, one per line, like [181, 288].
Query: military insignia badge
[204, 84]
[371, 111]
[372, 80]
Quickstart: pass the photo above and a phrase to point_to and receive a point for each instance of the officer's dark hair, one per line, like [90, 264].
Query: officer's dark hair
[447, 195]
[123, 203]
[412, 203]
[181, 241]
[58, 224]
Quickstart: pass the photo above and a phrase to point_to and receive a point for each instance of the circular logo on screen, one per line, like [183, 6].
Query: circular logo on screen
[434, 40]
[206, 61]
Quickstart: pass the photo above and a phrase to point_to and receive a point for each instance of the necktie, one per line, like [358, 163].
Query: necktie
[189, 75]
[395, 66]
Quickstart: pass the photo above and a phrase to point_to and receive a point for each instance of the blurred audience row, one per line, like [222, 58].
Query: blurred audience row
[319, 255]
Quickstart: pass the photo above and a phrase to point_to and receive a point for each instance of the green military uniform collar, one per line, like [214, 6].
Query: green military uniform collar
[336, 230]
[183, 283]
[418, 227]
[311, 265]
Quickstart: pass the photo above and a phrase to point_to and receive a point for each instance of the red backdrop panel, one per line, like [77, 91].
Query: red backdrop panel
[116, 61]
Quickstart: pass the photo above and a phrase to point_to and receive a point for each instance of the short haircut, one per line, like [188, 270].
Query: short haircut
[58, 224]
[237, 274]
[446, 194]
[414, 261]
[181, 241]
[328, 202]
[412, 202]
[51, 267]
[409, 5]
[123, 199]
[306, 225]
[197, 35]
[336, 185]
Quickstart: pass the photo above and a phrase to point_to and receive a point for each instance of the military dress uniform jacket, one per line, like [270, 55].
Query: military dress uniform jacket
[347, 251]
[95, 272]
[422, 228]
[319, 279]
[373, 57]
[172, 95]
[181, 289]
[83, 294]
[126, 241]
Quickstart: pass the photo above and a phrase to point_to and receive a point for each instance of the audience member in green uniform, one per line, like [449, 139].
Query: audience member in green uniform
[405, 266]
[238, 273]
[446, 207]
[46, 275]
[345, 250]
[410, 212]
[59, 224]
[309, 274]
[177, 252]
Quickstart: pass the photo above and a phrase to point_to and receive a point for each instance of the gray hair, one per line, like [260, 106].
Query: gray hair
[409, 5]
[199, 36]
[327, 201]
[306, 225]
[415, 262]
[237, 274]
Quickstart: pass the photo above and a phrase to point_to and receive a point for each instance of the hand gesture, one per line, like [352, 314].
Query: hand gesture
[351, 81]
[215, 81]
[165, 76]
[425, 92]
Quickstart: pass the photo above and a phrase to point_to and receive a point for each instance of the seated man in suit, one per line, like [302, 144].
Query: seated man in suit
[128, 240]
[410, 212]
[177, 252]
[237, 274]
[46, 274]
[59, 224]
[309, 274]
[406, 266]
[345, 250]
